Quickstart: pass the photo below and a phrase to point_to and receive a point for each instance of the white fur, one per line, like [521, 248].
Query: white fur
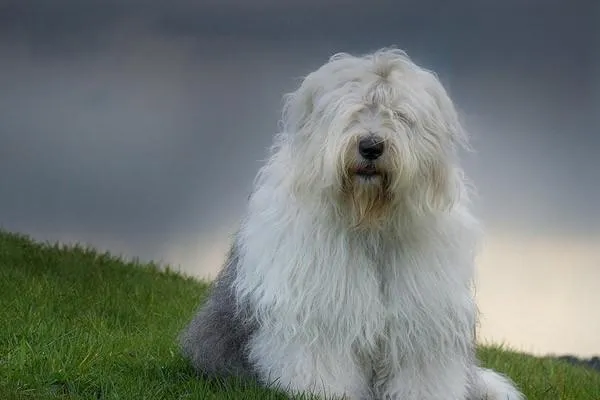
[495, 386]
[356, 294]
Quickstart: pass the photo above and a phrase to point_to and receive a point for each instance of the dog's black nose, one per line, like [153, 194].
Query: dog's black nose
[371, 147]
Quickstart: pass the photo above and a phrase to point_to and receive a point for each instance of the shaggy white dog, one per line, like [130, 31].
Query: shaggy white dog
[351, 273]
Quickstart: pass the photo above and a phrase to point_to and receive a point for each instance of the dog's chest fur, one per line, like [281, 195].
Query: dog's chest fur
[374, 294]
[422, 306]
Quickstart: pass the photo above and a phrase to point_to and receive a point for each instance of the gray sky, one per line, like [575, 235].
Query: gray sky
[145, 122]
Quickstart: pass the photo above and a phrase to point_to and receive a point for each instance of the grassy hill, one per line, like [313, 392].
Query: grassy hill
[77, 324]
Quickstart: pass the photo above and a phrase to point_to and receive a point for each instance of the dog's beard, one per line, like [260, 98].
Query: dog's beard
[366, 194]
[372, 193]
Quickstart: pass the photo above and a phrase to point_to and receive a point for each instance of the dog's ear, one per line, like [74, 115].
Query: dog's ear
[299, 105]
[447, 118]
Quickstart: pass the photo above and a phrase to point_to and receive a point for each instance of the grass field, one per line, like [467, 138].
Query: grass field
[77, 324]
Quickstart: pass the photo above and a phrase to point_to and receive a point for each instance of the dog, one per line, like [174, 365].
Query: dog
[351, 273]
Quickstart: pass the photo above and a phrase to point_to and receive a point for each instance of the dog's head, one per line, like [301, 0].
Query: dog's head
[375, 132]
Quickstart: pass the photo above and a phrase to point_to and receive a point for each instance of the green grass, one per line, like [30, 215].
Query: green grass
[77, 324]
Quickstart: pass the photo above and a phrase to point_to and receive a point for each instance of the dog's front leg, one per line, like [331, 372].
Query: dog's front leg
[443, 381]
[298, 367]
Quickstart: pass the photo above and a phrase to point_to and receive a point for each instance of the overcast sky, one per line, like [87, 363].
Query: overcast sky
[142, 124]
[138, 128]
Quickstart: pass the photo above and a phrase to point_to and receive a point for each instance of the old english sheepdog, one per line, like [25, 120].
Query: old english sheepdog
[351, 273]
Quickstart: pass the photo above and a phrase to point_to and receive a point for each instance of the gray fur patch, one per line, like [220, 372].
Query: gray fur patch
[216, 340]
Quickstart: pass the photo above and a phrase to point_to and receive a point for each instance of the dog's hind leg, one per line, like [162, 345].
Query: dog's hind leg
[215, 341]
[490, 385]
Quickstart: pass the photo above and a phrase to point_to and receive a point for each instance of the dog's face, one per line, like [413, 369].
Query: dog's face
[375, 131]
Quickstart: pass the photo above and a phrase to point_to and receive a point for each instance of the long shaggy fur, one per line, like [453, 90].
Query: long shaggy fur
[351, 276]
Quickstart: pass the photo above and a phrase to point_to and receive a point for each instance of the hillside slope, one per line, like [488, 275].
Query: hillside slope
[79, 324]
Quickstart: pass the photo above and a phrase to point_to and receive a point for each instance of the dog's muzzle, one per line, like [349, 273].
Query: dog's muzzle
[370, 149]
